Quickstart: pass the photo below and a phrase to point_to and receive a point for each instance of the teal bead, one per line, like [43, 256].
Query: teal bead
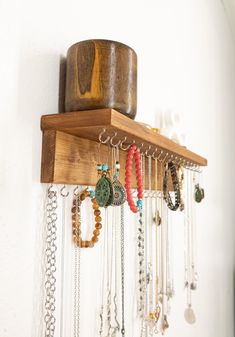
[92, 194]
[99, 167]
[139, 203]
[105, 167]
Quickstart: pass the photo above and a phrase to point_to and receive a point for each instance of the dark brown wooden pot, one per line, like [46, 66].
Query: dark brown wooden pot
[101, 74]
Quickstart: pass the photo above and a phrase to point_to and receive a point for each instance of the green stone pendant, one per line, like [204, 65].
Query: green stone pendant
[199, 193]
[104, 192]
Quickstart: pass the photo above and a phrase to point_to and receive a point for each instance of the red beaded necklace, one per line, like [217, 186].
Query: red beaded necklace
[134, 151]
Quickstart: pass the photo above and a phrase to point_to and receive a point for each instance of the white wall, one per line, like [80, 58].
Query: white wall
[186, 63]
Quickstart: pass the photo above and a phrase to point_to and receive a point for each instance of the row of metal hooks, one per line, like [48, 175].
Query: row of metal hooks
[154, 152]
[65, 193]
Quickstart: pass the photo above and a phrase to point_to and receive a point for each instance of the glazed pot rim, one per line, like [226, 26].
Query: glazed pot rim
[104, 40]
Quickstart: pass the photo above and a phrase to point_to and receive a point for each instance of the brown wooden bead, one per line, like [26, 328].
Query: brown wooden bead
[91, 244]
[83, 244]
[87, 244]
[94, 239]
[96, 232]
[97, 212]
[98, 225]
[82, 196]
[98, 218]
[86, 193]
[73, 210]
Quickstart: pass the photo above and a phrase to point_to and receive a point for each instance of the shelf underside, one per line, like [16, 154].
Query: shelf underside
[88, 125]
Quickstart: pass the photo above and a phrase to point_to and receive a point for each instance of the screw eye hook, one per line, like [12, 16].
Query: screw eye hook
[147, 151]
[63, 193]
[111, 140]
[76, 191]
[100, 137]
[128, 146]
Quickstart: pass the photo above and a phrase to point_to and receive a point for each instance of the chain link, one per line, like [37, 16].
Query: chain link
[50, 262]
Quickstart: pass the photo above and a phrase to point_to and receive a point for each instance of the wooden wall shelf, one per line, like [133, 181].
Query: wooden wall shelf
[69, 153]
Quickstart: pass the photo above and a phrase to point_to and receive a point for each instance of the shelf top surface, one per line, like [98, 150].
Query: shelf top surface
[90, 123]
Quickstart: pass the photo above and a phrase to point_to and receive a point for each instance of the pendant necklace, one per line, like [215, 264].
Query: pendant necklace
[150, 319]
[64, 195]
[157, 220]
[123, 270]
[50, 262]
[189, 314]
[103, 254]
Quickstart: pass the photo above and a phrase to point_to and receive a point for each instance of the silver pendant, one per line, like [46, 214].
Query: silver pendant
[119, 195]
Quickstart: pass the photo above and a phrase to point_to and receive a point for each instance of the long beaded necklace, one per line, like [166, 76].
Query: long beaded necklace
[141, 256]
[50, 261]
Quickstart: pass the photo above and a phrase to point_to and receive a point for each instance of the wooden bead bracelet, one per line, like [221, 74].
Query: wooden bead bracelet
[134, 151]
[76, 220]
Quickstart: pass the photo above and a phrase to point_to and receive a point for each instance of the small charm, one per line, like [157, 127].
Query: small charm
[157, 219]
[189, 315]
[165, 324]
[199, 193]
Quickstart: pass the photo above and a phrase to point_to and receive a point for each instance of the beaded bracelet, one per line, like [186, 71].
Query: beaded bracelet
[76, 220]
[134, 151]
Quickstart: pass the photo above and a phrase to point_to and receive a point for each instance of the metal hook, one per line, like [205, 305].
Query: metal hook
[62, 193]
[76, 191]
[50, 188]
[159, 156]
[153, 154]
[128, 146]
[164, 160]
[141, 147]
[100, 137]
[147, 151]
[111, 140]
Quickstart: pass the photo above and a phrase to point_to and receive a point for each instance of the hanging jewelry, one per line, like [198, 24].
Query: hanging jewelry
[134, 151]
[190, 281]
[50, 255]
[157, 221]
[76, 220]
[64, 195]
[116, 220]
[123, 271]
[141, 258]
[104, 188]
[119, 196]
[151, 318]
[171, 170]
[181, 186]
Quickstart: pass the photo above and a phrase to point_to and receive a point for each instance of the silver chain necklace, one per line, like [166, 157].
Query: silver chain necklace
[50, 260]
[122, 271]
[77, 273]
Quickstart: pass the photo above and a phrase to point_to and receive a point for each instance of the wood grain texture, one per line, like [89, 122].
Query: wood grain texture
[101, 74]
[88, 124]
[72, 160]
